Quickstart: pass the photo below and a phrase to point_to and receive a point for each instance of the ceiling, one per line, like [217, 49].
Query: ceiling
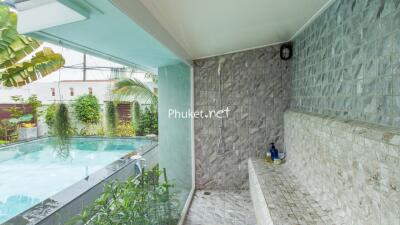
[110, 34]
[213, 27]
[155, 33]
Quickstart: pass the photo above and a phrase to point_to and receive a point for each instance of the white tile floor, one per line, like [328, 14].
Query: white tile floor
[221, 208]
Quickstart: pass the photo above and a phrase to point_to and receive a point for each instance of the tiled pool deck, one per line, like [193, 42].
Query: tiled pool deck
[221, 208]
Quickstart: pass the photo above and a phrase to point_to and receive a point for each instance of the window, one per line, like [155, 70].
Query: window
[53, 92]
[90, 91]
[71, 91]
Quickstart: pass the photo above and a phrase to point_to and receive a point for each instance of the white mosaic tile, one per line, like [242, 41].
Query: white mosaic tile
[221, 208]
[351, 168]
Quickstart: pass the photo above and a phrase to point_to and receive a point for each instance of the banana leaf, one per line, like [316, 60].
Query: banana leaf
[14, 47]
[42, 64]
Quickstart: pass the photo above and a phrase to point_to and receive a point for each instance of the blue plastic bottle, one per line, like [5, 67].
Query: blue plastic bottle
[274, 152]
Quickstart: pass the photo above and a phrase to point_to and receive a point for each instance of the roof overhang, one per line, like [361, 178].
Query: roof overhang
[100, 28]
[59, 11]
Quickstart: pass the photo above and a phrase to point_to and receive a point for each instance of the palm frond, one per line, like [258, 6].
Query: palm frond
[153, 77]
[134, 88]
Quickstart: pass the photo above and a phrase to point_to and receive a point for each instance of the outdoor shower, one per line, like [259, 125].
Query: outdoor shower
[221, 144]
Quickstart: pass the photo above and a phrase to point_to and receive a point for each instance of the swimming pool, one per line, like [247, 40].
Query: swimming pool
[33, 171]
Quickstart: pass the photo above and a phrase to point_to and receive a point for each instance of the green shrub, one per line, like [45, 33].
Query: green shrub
[50, 114]
[16, 112]
[92, 130]
[35, 104]
[146, 121]
[87, 109]
[137, 120]
[150, 120]
[111, 118]
[8, 131]
[125, 129]
[145, 201]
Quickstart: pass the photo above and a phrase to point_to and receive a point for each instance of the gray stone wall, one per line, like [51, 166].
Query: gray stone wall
[352, 168]
[347, 63]
[254, 87]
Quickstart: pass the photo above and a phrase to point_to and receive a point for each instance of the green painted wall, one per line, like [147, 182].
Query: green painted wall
[175, 134]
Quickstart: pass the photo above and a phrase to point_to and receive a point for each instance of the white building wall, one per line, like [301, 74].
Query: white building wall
[101, 89]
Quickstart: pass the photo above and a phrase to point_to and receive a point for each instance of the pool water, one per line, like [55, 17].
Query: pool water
[33, 171]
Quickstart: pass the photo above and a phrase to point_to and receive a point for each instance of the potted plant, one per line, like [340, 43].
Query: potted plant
[26, 129]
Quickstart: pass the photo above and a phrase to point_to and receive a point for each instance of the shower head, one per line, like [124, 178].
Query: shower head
[220, 63]
[221, 60]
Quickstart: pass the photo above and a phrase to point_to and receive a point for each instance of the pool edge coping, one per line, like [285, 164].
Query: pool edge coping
[152, 138]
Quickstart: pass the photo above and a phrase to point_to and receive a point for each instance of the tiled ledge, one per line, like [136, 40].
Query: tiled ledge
[387, 135]
[351, 168]
[279, 200]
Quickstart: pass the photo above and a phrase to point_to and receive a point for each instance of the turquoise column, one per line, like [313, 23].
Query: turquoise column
[175, 134]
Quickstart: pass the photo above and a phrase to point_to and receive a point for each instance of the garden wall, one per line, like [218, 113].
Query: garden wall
[254, 87]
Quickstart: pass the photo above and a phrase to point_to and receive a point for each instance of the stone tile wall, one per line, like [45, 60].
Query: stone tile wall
[347, 62]
[254, 87]
[351, 168]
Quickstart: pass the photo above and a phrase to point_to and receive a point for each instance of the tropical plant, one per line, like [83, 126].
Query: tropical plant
[15, 111]
[143, 122]
[137, 119]
[50, 114]
[136, 89]
[87, 109]
[15, 69]
[149, 120]
[62, 127]
[143, 201]
[8, 131]
[111, 117]
[35, 104]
